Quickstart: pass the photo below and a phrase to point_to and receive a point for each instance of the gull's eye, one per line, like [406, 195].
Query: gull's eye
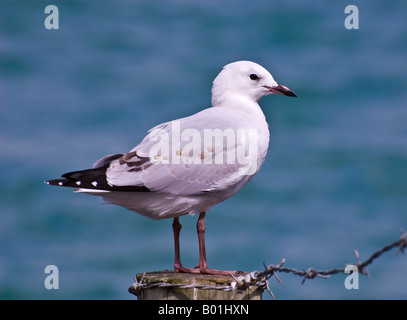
[254, 76]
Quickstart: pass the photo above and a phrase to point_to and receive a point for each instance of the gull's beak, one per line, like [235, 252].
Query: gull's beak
[281, 90]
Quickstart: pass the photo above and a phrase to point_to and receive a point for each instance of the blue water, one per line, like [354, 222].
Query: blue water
[335, 178]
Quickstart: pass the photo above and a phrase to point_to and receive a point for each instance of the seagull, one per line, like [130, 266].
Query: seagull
[188, 165]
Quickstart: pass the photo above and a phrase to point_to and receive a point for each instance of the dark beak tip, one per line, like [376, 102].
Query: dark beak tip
[285, 91]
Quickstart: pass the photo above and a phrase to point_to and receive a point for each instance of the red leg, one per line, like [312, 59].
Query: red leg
[203, 265]
[176, 227]
[200, 229]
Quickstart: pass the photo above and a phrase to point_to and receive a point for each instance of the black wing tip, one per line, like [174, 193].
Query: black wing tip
[58, 182]
[95, 185]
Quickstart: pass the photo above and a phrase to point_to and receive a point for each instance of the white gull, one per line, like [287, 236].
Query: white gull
[188, 165]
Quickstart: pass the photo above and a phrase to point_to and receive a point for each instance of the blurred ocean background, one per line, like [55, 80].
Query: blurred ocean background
[335, 178]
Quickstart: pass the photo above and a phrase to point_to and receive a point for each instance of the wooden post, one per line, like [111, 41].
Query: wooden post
[170, 285]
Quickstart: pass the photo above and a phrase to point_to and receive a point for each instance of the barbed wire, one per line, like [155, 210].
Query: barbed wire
[261, 279]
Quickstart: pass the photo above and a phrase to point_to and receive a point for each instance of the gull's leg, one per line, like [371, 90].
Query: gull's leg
[203, 265]
[200, 229]
[176, 227]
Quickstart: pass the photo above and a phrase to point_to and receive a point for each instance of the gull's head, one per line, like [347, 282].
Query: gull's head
[246, 80]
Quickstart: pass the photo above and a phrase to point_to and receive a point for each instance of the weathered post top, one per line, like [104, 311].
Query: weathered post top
[170, 285]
